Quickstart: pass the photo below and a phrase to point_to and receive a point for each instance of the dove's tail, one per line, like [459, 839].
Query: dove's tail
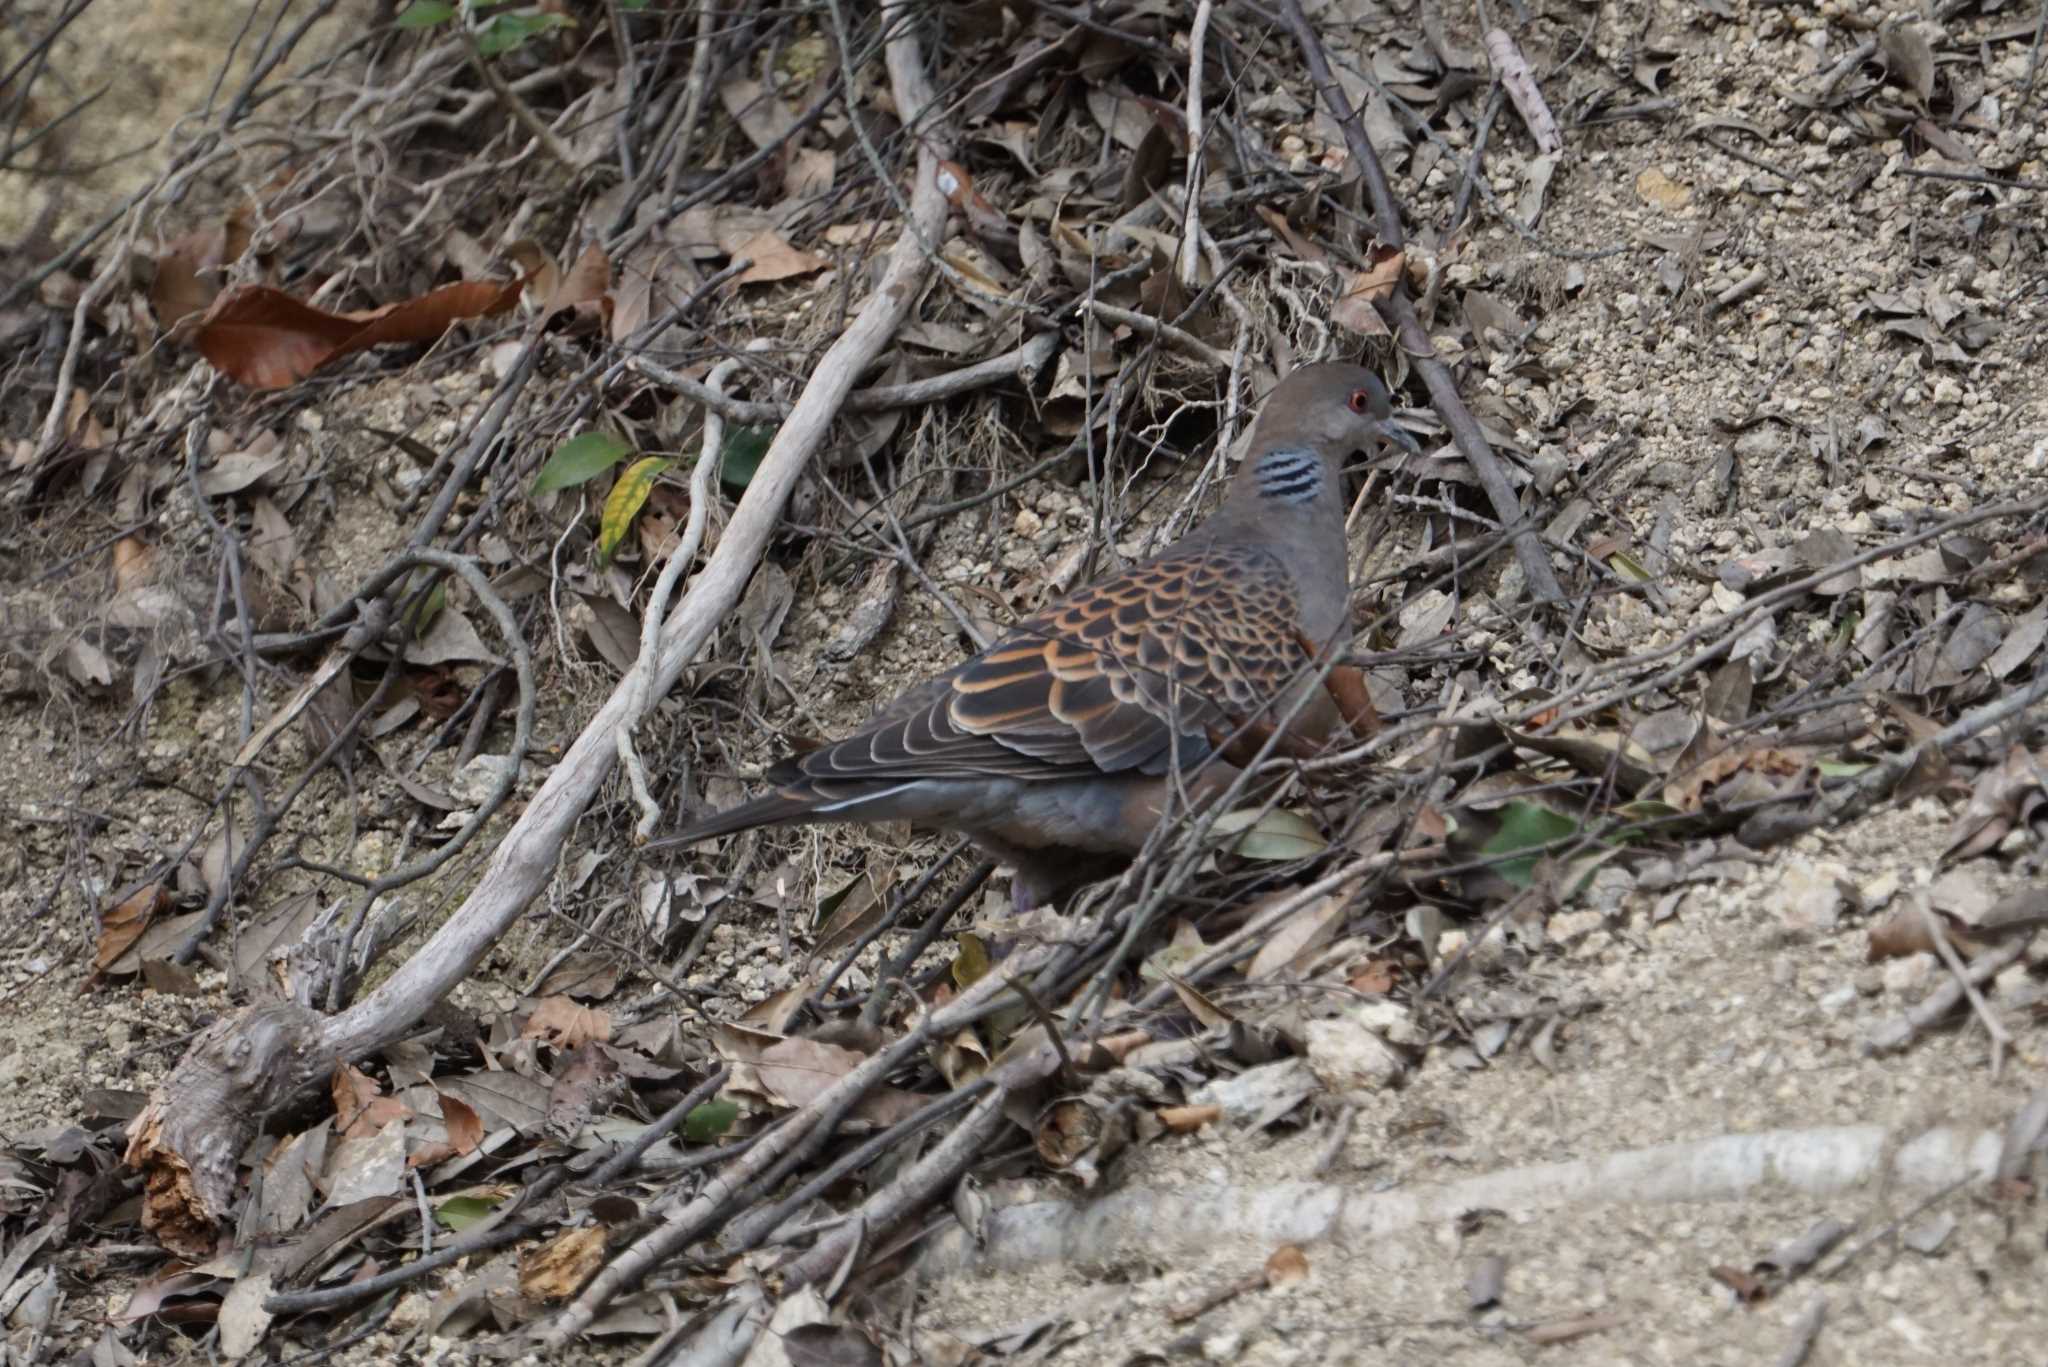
[773, 810]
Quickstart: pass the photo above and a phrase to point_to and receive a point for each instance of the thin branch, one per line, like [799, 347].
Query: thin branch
[1414, 338]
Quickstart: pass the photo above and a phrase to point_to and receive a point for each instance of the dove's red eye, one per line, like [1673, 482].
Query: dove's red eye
[1361, 401]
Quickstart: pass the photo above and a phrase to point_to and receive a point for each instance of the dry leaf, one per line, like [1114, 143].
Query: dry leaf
[1656, 188]
[809, 173]
[557, 1268]
[1306, 929]
[585, 284]
[1287, 1265]
[774, 259]
[465, 1127]
[765, 119]
[353, 1090]
[134, 563]
[266, 339]
[188, 272]
[566, 1025]
[123, 926]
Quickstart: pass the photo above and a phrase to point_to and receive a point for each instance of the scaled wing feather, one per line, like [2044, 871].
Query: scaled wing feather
[1099, 683]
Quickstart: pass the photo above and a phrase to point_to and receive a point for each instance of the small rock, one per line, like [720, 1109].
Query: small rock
[1568, 925]
[1909, 974]
[1222, 1347]
[476, 780]
[1347, 1057]
[1810, 895]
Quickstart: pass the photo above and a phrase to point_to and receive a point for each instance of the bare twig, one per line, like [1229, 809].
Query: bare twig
[1020, 363]
[505, 1225]
[2001, 1038]
[639, 684]
[1414, 338]
[1902, 1030]
[690, 109]
[1513, 70]
[1168, 335]
[1190, 256]
[518, 110]
[697, 1216]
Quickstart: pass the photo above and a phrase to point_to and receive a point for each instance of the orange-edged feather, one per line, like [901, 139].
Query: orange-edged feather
[1123, 676]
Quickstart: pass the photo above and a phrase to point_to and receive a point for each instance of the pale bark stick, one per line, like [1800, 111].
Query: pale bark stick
[1513, 69]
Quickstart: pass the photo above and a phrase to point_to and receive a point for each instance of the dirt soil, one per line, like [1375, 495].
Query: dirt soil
[1740, 1004]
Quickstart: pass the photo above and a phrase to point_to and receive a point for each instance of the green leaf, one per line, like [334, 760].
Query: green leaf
[1275, 835]
[1842, 768]
[583, 457]
[1626, 565]
[707, 1122]
[426, 14]
[744, 449]
[633, 6]
[624, 504]
[1524, 826]
[421, 616]
[460, 1212]
[507, 31]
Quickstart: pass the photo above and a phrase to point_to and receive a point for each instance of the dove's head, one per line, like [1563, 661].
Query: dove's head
[1310, 427]
[1332, 407]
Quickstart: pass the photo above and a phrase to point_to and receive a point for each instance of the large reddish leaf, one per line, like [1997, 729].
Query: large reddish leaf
[268, 340]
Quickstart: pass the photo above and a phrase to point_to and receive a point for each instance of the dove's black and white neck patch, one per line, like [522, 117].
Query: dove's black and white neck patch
[1289, 475]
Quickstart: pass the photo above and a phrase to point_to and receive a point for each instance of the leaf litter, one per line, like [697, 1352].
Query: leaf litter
[1854, 565]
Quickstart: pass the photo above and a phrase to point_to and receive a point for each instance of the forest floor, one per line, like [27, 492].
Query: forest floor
[1747, 338]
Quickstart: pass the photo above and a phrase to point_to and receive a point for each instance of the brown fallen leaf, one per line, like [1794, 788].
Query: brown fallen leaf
[266, 339]
[584, 287]
[188, 272]
[1354, 307]
[794, 1071]
[134, 563]
[123, 926]
[553, 1271]
[352, 1090]
[465, 1126]
[2001, 799]
[1287, 1265]
[566, 1025]
[1301, 246]
[809, 172]
[774, 259]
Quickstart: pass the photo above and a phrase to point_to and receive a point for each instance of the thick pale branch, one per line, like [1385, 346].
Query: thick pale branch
[1733, 1167]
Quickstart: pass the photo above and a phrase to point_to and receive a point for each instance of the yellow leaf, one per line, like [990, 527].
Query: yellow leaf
[970, 965]
[624, 503]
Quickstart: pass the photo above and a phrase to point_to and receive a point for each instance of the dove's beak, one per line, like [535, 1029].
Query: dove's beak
[1395, 435]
